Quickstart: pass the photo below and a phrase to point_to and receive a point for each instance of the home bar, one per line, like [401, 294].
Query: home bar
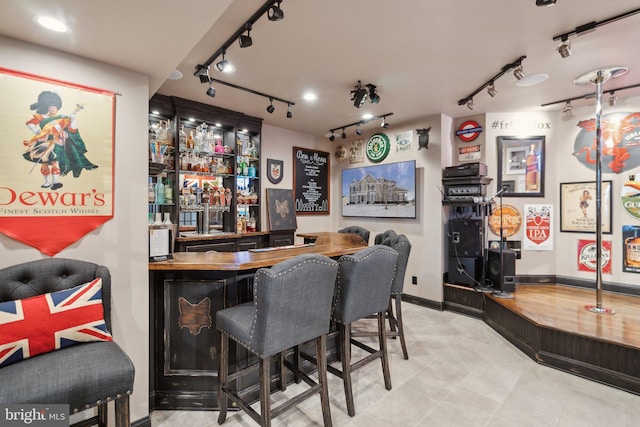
[484, 155]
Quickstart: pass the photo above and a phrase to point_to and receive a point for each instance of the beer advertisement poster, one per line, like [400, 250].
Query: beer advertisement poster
[587, 256]
[538, 235]
[57, 181]
[631, 248]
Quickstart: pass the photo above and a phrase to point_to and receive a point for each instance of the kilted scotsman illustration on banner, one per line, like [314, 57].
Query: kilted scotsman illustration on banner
[57, 148]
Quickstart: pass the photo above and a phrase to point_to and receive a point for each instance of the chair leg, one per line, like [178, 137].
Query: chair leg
[345, 335]
[123, 418]
[265, 393]
[103, 410]
[321, 352]
[283, 372]
[382, 338]
[398, 299]
[223, 373]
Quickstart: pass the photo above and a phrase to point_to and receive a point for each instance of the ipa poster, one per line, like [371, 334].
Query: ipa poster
[538, 235]
[56, 183]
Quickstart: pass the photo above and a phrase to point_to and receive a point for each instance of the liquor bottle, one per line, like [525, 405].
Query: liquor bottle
[632, 250]
[190, 140]
[159, 192]
[182, 137]
[531, 177]
[168, 191]
[152, 191]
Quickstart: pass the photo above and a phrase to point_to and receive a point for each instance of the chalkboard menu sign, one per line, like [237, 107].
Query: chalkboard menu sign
[311, 177]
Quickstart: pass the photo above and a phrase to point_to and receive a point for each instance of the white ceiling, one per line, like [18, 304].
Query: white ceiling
[423, 55]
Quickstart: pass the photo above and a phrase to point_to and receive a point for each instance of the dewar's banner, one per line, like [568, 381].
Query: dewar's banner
[56, 183]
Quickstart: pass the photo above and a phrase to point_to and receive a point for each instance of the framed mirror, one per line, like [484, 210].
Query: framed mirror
[521, 166]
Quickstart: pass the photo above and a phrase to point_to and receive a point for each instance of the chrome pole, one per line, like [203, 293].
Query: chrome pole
[598, 77]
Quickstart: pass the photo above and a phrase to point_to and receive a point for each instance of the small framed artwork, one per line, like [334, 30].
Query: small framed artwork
[578, 207]
[521, 166]
[280, 210]
[356, 151]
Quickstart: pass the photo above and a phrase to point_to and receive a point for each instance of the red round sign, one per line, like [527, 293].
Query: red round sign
[469, 130]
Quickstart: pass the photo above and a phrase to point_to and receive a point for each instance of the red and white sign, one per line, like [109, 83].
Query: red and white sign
[469, 130]
[470, 152]
[587, 259]
[538, 234]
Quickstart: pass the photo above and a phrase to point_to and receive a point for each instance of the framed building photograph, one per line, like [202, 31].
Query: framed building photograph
[578, 207]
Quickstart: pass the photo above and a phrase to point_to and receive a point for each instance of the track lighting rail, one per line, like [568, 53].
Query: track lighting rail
[589, 95]
[358, 123]
[593, 25]
[255, 92]
[491, 81]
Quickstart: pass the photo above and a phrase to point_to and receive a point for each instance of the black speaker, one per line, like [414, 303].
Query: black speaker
[501, 275]
[465, 270]
[465, 237]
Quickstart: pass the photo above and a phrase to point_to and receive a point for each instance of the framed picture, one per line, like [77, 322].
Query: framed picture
[578, 207]
[380, 191]
[521, 166]
[356, 151]
[280, 210]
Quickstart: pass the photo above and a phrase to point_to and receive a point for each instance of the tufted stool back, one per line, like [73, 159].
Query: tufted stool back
[356, 229]
[50, 275]
[381, 236]
[402, 245]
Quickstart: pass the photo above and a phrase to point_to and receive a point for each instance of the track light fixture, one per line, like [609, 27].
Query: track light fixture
[374, 98]
[203, 73]
[564, 47]
[490, 84]
[289, 113]
[384, 124]
[224, 66]
[211, 91]
[567, 108]
[518, 73]
[275, 13]
[613, 99]
[246, 40]
[271, 108]
[491, 90]
[545, 3]
[359, 95]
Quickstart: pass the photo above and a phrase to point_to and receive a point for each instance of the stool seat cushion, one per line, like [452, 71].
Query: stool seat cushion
[80, 376]
[237, 322]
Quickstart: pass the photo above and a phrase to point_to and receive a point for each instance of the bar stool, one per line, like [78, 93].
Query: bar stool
[381, 236]
[356, 229]
[291, 305]
[363, 289]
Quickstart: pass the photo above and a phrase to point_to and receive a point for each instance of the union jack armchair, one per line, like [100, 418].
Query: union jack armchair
[83, 367]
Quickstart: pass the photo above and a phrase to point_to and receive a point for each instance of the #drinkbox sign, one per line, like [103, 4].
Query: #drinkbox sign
[56, 183]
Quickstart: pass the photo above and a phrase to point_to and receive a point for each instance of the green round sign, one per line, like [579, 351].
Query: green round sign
[378, 147]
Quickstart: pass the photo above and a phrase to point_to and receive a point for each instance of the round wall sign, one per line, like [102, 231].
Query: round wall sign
[378, 147]
[511, 220]
[630, 197]
[469, 130]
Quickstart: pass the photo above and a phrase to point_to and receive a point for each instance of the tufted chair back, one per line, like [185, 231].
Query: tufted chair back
[50, 275]
[402, 245]
[355, 229]
[381, 236]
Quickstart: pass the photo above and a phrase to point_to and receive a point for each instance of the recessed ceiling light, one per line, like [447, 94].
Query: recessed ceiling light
[532, 79]
[367, 116]
[52, 24]
[309, 96]
[175, 75]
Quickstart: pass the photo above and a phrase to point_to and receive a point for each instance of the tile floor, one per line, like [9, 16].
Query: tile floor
[460, 373]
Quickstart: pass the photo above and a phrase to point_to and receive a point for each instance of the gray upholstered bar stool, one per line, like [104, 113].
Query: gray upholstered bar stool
[402, 245]
[363, 288]
[356, 229]
[291, 305]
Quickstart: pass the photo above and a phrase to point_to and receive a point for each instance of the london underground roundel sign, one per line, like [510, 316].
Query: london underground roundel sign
[469, 130]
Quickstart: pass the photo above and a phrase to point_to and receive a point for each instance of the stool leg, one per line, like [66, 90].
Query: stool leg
[398, 299]
[265, 393]
[345, 335]
[223, 373]
[382, 338]
[283, 372]
[103, 411]
[123, 419]
[321, 353]
[296, 363]
[393, 324]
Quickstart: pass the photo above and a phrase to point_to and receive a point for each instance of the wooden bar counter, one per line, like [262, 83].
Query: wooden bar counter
[185, 294]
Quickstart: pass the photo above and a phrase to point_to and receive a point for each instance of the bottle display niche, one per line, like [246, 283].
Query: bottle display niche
[204, 166]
